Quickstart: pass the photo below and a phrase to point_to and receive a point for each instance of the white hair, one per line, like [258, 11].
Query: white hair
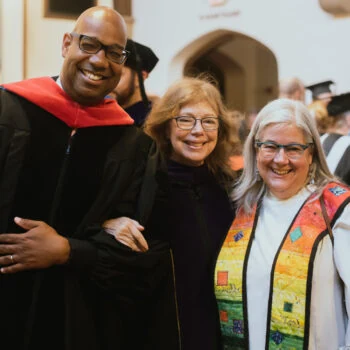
[281, 111]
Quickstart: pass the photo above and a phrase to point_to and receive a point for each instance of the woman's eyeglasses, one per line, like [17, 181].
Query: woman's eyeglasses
[188, 123]
[270, 149]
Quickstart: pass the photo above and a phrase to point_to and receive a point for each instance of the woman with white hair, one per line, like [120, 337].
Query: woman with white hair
[282, 276]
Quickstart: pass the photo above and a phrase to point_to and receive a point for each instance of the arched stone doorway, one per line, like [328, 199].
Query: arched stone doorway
[246, 69]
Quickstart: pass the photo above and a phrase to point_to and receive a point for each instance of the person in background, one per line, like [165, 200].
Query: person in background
[336, 141]
[282, 274]
[292, 88]
[246, 122]
[236, 159]
[321, 91]
[185, 202]
[130, 91]
[319, 112]
[68, 158]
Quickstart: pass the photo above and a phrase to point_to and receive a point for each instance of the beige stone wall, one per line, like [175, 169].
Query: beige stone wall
[298, 39]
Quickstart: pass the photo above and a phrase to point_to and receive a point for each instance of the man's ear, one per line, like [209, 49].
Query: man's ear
[145, 75]
[66, 43]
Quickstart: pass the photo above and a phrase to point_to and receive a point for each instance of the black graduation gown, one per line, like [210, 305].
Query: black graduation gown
[69, 182]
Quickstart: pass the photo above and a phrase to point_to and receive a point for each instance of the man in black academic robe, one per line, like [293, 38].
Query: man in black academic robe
[69, 159]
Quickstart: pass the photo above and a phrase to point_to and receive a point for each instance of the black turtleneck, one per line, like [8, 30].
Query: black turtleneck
[193, 212]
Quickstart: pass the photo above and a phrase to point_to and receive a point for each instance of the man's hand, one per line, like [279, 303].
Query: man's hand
[127, 232]
[39, 247]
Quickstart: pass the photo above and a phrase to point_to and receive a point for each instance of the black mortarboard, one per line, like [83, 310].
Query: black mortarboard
[339, 104]
[141, 57]
[320, 88]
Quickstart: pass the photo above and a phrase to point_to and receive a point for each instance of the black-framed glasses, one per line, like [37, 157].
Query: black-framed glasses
[188, 123]
[270, 149]
[92, 45]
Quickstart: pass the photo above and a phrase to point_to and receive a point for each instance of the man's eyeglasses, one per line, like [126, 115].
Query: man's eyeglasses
[270, 149]
[91, 45]
[188, 123]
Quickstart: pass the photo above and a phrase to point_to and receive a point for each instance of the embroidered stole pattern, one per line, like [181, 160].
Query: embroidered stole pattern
[290, 291]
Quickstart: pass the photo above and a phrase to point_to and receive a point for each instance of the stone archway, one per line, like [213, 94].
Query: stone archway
[245, 68]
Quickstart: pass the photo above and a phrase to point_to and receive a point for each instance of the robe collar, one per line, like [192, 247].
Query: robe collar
[48, 95]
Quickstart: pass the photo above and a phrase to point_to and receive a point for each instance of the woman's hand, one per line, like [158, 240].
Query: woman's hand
[127, 232]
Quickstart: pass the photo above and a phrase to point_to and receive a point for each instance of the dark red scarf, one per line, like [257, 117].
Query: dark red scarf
[47, 94]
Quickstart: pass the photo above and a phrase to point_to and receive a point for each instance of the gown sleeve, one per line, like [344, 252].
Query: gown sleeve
[341, 232]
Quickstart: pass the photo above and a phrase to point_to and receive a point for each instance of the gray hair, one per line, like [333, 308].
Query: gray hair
[281, 111]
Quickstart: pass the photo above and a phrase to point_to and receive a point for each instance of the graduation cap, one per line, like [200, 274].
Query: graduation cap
[339, 104]
[141, 57]
[320, 88]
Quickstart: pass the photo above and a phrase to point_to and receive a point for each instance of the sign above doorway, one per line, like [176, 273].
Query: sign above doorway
[216, 2]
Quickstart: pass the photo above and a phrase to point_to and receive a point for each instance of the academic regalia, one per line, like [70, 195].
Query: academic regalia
[320, 88]
[141, 58]
[69, 166]
[337, 146]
